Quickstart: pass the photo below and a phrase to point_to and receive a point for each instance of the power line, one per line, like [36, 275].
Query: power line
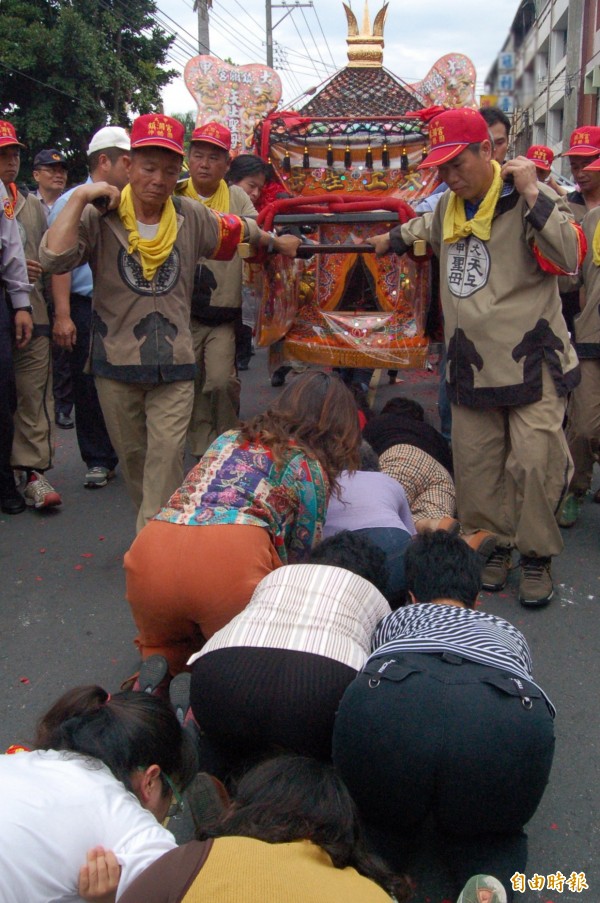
[324, 38]
[312, 36]
[303, 43]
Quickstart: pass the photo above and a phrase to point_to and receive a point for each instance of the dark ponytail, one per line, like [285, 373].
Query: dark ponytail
[125, 732]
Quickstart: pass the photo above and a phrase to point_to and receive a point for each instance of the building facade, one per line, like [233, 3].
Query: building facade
[555, 48]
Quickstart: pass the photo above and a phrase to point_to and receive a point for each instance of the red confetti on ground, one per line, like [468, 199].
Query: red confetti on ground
[78, 567]
[101, 539]
[24, 680]
[87, 555]
[42, 551]
[554, 826]
[39, 579]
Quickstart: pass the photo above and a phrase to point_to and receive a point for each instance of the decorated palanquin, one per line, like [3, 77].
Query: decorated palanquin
[348, 161]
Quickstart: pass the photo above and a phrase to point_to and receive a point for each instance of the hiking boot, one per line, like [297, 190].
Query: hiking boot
[535, 586]
[39, 493]
[496, 570]
[481, 541]
[97, 477]
[569, 509]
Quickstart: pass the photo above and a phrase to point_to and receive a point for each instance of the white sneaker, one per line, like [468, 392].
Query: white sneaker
[97, 477]
[39, 493]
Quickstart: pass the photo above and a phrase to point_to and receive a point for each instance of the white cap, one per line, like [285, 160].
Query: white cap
[109, 136]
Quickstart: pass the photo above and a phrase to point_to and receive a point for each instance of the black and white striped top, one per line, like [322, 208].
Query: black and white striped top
[475, 635]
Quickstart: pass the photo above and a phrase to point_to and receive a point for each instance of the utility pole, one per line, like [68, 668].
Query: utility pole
[269, 7]
[202, 7]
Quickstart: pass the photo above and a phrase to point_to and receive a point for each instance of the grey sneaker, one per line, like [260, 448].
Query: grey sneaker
[535, 586]
[496, 570]
[97, 477]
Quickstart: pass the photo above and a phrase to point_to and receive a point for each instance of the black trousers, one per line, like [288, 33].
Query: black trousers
[92, 436]
[442, 737]
[8, 393]
[252, 702]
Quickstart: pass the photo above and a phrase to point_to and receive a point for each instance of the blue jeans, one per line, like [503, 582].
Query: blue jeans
[393, 541]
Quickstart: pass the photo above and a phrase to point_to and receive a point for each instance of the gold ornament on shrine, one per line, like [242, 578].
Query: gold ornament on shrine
[365, 46]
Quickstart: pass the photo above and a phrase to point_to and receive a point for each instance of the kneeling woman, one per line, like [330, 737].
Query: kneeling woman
[256, 500]
[292, 833]
[445, 720]
[272, 679]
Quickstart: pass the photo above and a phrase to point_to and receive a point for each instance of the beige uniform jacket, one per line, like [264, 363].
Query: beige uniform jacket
[31, 220]
[217, 296]
[587, 323]
[140, 329]
[502, 311]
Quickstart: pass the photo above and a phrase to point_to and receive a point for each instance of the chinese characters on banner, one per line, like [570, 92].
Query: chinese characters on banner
[236, 96]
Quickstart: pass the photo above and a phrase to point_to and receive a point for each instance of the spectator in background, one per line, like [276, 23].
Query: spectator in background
[16, 324]
[108, 160]
[33, 446]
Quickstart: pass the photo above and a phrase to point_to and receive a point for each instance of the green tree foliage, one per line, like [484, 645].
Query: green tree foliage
[188, 120]
[68, 67]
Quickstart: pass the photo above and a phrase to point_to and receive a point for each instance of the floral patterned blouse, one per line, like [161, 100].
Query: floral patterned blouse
[237, 482]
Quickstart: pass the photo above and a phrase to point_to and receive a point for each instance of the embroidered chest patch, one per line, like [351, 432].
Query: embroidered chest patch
[468, 266]
[166, 276]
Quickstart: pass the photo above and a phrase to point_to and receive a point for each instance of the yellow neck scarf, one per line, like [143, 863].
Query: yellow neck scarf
[218, 201]
[153, 251]
[456, 224]
[596, 245]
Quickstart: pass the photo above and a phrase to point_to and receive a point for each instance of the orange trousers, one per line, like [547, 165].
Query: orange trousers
[186, 582]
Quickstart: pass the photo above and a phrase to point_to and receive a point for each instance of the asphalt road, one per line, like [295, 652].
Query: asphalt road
[64, 621]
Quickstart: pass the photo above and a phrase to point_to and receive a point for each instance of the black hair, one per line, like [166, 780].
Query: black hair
[407, 407]
[247, 165]
[125, 731]
[292, 798]
[493, 115]
[113, 154]
[353, 553]
[438, 565]
[369, 459]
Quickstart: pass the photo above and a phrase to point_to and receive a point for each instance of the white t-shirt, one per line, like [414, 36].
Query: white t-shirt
[54, 807]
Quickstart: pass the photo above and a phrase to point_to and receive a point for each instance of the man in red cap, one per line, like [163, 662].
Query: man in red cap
[33, 443]
[16, 327]
[584, 149]
[501, 237]
[143, 246]
[217, 296]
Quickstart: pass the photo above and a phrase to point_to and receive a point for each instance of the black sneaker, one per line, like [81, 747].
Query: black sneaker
[153, 677]
[179, 695]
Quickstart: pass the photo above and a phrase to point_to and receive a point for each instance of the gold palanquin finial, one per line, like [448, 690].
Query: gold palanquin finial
[365, 47]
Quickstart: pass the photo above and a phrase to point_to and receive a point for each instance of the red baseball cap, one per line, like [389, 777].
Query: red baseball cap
[541, 155]
[8, 134]
[451, 132]
[213, 133]
[594, 166]
[585, 142]
[157, 130]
